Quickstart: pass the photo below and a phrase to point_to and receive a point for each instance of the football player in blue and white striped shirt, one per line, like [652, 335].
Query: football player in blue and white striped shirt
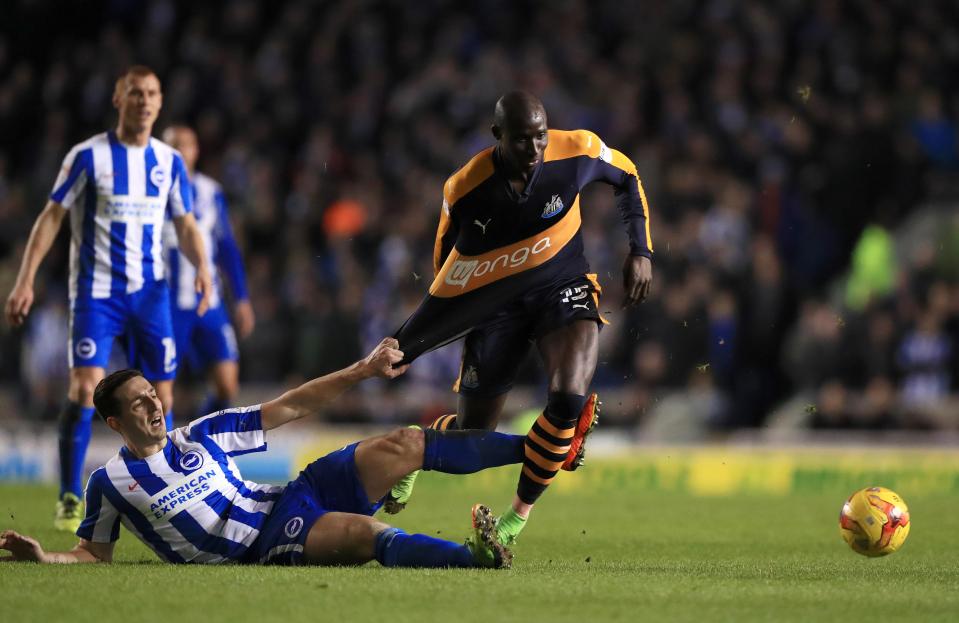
[181, 493]
[207, 344]
[118, 187]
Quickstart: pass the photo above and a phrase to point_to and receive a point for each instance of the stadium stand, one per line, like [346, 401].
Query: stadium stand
[789, 149]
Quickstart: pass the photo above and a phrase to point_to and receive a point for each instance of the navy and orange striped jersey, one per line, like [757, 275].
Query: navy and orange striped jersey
[494, 243]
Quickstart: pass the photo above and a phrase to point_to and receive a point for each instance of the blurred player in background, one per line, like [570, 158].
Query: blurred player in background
[207, 343]
[118, 187]
[181, 493]
[510, 272]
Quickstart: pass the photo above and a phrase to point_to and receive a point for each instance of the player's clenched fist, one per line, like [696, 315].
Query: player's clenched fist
[380, 362]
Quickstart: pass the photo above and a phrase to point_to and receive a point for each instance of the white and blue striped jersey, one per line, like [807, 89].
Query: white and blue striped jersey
[119, 196]
[188, 502]
[213, 223]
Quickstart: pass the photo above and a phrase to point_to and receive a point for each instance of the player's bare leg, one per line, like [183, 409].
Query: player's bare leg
[74, 427]
[83, 380]
[569, 355]
[226, 381]
[342, 539]
[382, 461]
[350, 539]
[224, 377]
[473, 413]
[479, 412]
[164, 391]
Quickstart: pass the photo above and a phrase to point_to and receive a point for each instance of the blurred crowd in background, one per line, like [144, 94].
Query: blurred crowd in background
[782, 144]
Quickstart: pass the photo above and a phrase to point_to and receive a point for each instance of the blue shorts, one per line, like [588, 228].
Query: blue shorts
[328, 484]
[142, 317]
[202, 341]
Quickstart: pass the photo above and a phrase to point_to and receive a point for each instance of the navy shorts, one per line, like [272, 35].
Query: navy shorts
[494, 352]
[202, 341]
[328, 484]
[142, 317]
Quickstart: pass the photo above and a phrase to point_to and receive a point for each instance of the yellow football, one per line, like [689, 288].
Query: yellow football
[874, 521]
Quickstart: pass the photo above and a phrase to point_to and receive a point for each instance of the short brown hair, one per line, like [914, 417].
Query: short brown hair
[133, 70]
[104, 396]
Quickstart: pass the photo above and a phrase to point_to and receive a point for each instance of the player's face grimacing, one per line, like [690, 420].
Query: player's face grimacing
[141, 420]
[138, 100]
[522, 140]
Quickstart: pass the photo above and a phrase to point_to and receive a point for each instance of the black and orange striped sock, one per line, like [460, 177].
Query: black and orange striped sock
[444, 422]
[547, 444]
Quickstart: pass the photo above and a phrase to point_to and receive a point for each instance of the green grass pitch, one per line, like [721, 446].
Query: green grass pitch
[610, 553]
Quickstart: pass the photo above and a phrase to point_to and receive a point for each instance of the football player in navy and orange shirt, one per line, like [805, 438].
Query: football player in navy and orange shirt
[510, 271]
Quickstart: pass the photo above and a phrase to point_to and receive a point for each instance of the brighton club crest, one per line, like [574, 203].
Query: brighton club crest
[293, 527]
[553, 207]
[157, 176]
[191, 461]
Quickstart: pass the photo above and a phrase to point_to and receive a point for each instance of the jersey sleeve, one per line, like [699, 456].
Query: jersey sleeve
[102, 521]
[227, 255]
[73, 178]
[446, 233]
[616, 169]
[180, 201]
[235, 431]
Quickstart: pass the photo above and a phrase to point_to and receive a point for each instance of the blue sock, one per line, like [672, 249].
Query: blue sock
[395, 548]
[74, 437]
[468, 451]
[169, 419]
[212, 404]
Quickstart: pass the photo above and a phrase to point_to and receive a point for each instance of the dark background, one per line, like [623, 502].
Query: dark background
[785, 148]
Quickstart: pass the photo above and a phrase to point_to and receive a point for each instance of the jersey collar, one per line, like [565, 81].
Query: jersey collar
[500, 171]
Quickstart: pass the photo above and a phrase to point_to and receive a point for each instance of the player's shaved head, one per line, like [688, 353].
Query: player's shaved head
[519, 125]
[517, 107]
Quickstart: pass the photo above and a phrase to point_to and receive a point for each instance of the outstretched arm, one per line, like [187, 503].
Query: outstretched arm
[42, 235]
[310, 397]
[27, 548]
